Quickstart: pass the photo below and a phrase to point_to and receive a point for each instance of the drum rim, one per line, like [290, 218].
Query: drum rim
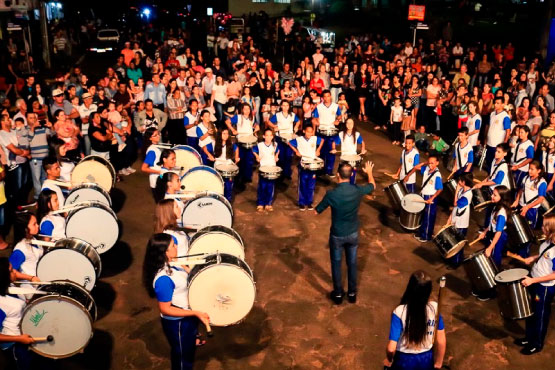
[481, 206]
[94, 186]
[89, 246]
[277, 169]
[238, 136]
[442, 230]
[343, 158]
[204, 231]
[524, 271]
[412, 195]
[476, 254]
[202, 167]
[235, 167]
[456, 249]
[104, 161]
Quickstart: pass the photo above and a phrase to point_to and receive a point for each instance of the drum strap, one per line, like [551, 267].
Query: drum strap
[517, 161]
[524, 192]
[551, 245]
[428, 179]
[459, 160]
[495, 170]
[405, 161]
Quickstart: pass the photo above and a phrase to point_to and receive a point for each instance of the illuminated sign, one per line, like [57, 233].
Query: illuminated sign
[416, 12]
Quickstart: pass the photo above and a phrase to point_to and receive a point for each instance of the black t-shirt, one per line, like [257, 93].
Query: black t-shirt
[98, 145]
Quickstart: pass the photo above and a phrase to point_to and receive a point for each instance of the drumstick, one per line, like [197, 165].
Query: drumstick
[43, 243]
[516, 256]
[69, 209]
[62, 183]
[24, 290]
[189, 262]
[32, 282]
[474, 242]
[417, 201]
[184, 195]
[49, 338]
[442, 281]
[209, 330]
[193, 255]
[390, 174]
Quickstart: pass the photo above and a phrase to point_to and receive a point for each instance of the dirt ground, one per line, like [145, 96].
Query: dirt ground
[293, 324]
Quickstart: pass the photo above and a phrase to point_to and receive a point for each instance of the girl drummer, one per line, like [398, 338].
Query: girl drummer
[349, 140]
[152, 156]
[52, 226]
[409, 158]
[548, 162]
[495, 234]
[413, 329]
[460, 216]
[223, 152]
[167, 161]
[169, 285]
[542, 288]
[168, 184]
[205, 133]
[243, 125]
[529, 198]
[282, 123]
[523, 154]
[267, 154]
[167, 218]
[25, 256]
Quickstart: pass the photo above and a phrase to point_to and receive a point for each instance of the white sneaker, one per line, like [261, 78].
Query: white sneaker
[130, 170]
[121, 147]
[123, 172]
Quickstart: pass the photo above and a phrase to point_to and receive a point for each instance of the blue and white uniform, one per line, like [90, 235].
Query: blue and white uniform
[327, 115]
[307, 179]
[349, 145]
[181, 241]
[497, 223]
[170, 285]
[50, 185]
[244, 126]
[285, 125]
[192, 138]
[152, 157]
[499, 174]
[522, 152]
[409, 357]
[431, 183]
[498, 124]
[180, 204]
[531, 191]
[408, 161]
[460, 218]
[548, 162]
[474, 123]
[11, 312]
[542, 296]
[200, 131]
[265, 192]
[221, 160]
[25, 257]
[53, 226]
[463, 156]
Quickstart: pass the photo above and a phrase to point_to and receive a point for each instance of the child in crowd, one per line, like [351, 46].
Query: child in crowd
[439, 146]
[395, 119]
[343, 106]
[114, 117]
[421, 139]
[409, 118]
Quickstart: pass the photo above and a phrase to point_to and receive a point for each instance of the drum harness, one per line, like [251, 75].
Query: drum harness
[459, 214]
[430, 175]
[527, 202]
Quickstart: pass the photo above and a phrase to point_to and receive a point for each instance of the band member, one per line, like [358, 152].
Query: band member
[548, 162]
[409, 158]
[243, 124]
[52, 226]
[223, 151]
[327, 115]
[523, 154]
[285, 122]
[431, 188]
[530, 197]
[542, 288]
[463, 154]
[460, 216]
[191, 121]
[205, 133]
[167, 161]
[473, 124]
[267, 154]
[26, 256]
[349, 140]
[499, 129]
[495, 235]
[413, 327]
[308, 146]
[53, 170]
[167, 217]
[169, 285]
[168, 184]
[152, 156]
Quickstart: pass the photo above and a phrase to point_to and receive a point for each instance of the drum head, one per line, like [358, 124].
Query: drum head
[442, 230]
[217, 239]
[350, 158]
[512, 275]
[203, 178]
[87, 192]
[247, 139]
[96, 170]
[270, 169]
[95, 224]
[413, 203]
[206, 210]
[67, 264]
[227, 168]
[225, 291]
[186, 157]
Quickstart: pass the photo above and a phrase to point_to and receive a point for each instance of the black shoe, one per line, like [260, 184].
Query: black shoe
[474, 293]
[336, 298]
[521, 342]
[530, 350]
[483, 298]
[352, 297]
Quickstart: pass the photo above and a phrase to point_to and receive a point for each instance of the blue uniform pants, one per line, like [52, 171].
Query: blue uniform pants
[519, 176]
[193, 142]
[353, 178]
[265, 193]
[307, 184]
[413, 361]
[458, 258]
[497, 253]
[532, 217]
[548, 178]
[228, 188]
[245, 164]
[285, 159]
[349, 244]
[181, 335]
[490, 156]
[205, 160]
[537, 324]
[411, 188]
[329, 158]
[428, 219]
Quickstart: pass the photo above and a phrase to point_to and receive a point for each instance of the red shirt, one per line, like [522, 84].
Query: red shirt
[317, 85]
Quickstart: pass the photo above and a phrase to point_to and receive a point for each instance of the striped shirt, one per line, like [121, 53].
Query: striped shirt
[39, 142]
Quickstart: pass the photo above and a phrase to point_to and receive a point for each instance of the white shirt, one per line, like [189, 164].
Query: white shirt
[548, 162]
[192, 131]
[407, 164]
[544, 265]
[349, 143]
[84, 112]
[13, 309]
[402, 345]
[496, 132]
[495, 170]
[180, 239]
[530, 191]
[267, 154]
[7, 138]
[204, 142]
[397, 113]
[327, 114]
[49, 184]
[244, 125]
[180, 297]
[153, 153]
[461, 155]
[285, 123]
[66, 168]
[493, 219]
[430, 187]
[59, 223]
[519, 154]
[307, 148]
[461, 216]
[471, 125]
[32, 255]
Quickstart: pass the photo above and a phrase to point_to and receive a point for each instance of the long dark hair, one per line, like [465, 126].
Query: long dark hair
[165, 154]
[146, 140]
[21, 226]
[4, 275]
[354, 132]
[155, 259]
[162, 185]
[505, 201]
[220, 144]
[539, 167]
[43, 203]
[416, 298]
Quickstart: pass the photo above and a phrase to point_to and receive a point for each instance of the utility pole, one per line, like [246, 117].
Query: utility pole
[44, 35]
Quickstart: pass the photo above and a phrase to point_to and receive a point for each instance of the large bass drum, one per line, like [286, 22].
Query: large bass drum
[202, 178]
[66, 312]
[207, 209]
[186, 157]
[396, 192]
[70, 259]
[513, 298]
[217, 239]
[480, 270]
[94, 169]
[224, 288]
[87, 192]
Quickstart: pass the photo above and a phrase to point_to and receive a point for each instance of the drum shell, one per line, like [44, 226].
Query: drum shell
[451, 186]
[409, 220]
[312, 165]
[209, 196]
[481, 271]
[514, 300]
[77, 198]
[548, 204]
[215, 229]
[481, 197]
[227, 174]
[449, 241]
[102, 247]
[247, 144]
[270, 175]
[519, 230]
[353, 163]
[328, 132]
[396, 192]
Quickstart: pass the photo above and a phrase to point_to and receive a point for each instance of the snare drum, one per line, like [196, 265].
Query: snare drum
[353, 159]
[513, 298]
[396, 192]
[186, 157]
[270, 172]
[224, 288]
[285, 137]
[217, 239]
[548, 204]
[480, 270]
[449, 241]
[66, 312]
[207, 209]
[451, 185]
[327, 131]
[202, 178]
[94, 223]
[227, 170]
[94, 169]
[87, 192]
[312, 164]
[481, 198]
[247, 141]
[70, 259]
[412, 206]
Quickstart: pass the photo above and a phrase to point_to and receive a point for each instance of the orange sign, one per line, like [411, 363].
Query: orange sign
[416, 12]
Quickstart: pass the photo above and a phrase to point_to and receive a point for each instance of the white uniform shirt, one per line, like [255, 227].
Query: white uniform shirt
[58, 223]
[209, 139]
[66, 168]
[461, 215]
[13, 309]
[32, 254]
[399, 319]
[502, 167]
[544, 265]
[327, 114]
[181, 240]
[192, 131]
[50, 185]
[461, 155]
[307, 148]
[497, 130]
[222, 159]
[348, 143]
[519, 154]
[267, 153]
[471, 125]
[548, 162]
[244, 125]
[493, 219]
[407, 164]
[179, 296]
[152, 158]
[431, 186]
[531, 190]
[285, 123]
